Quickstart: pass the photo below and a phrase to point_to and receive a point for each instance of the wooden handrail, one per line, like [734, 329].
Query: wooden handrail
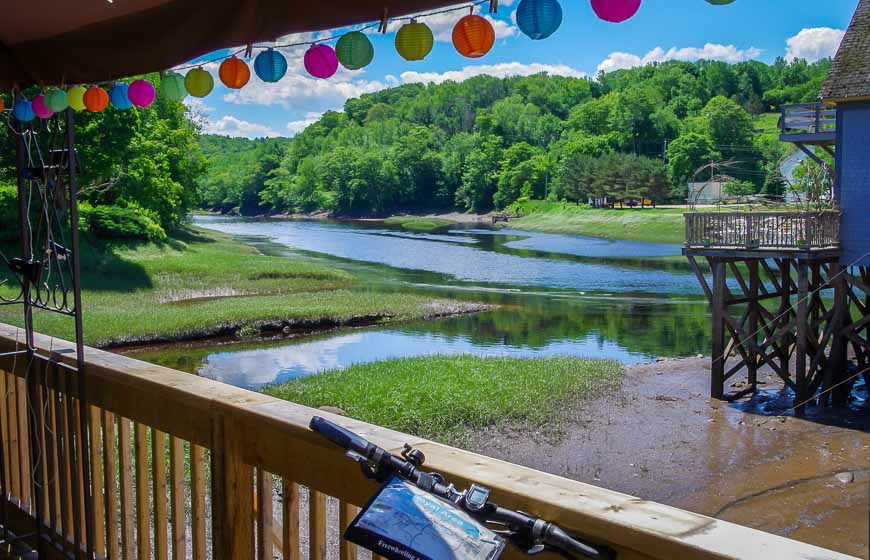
[763, 230]
[245, 430]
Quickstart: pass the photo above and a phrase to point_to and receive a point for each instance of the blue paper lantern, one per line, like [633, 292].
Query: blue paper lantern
[22, 110]
[119, 97]
[539, 18]
[270, 65]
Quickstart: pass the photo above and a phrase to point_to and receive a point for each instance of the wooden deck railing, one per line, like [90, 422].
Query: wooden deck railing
[763, 230]
[186, 467]
[808, 119]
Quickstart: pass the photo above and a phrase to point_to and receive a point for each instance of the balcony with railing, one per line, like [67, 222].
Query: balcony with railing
[763, 231]
[808, 123]
[185, 467]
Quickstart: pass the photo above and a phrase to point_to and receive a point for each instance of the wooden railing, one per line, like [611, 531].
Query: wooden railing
[186, 467]
[808, 118]
[763, 230]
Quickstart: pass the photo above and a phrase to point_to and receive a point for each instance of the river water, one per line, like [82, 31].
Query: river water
[556, 295]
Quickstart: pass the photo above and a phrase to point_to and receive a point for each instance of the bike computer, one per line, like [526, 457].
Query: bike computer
[476, 498]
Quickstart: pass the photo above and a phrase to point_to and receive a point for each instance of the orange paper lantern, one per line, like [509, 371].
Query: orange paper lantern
[2, 106]
[473, 36]
[234, 73]
[96, 99]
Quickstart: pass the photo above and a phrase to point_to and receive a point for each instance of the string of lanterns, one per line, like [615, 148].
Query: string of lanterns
[473, 37]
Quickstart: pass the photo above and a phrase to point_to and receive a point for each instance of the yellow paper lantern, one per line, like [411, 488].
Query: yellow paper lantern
[414, 41]
[198, 82]
[76, 98]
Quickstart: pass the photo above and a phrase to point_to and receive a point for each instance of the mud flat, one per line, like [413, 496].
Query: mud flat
[661, 438]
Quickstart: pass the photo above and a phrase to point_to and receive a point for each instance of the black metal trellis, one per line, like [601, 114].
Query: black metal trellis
[48, 278]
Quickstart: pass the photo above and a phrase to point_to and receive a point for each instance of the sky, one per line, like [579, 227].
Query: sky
[583, 46]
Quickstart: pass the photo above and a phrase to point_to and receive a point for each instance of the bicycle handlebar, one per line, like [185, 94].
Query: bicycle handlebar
[525, 531]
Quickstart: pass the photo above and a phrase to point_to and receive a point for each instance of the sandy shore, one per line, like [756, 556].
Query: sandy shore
[661, 438]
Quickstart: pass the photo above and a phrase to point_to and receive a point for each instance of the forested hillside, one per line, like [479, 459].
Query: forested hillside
[487, 142]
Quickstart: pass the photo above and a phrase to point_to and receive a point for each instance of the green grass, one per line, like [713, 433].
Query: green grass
[206, 282]
[418, 224]
[447, 397]
[650, 224]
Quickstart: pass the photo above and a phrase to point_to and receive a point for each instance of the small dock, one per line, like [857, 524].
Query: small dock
[503, 217]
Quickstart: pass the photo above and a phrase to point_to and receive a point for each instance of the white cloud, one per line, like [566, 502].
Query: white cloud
[814, 43]
[231, 126]
[501, 70]
[710, 51]
[295, 127]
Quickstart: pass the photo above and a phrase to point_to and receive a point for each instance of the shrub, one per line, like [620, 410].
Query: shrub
[128, 223]
[8, 212]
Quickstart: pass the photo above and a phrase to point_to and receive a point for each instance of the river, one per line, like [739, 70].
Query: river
[556, 295]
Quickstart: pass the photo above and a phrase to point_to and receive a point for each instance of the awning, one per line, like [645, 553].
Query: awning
[49, 42]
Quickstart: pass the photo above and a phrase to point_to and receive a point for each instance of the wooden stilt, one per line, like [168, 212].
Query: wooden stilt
[717, 383]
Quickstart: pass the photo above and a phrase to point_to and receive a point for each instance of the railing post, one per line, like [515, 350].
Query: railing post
[232, 483]
[818, 109]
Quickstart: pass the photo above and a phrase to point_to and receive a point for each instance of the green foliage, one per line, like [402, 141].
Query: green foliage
[122, 223]
[404, 395]
[739, 188]
[487, 142]
[8, 212]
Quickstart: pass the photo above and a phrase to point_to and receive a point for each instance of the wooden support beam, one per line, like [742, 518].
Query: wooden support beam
[717, 369]
[232, 494]
[802, 336]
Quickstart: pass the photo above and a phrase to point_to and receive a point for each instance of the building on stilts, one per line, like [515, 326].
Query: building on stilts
[790, 290]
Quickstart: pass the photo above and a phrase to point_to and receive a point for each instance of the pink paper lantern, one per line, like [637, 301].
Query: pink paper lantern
[321, 61]
[40, 109]
[615, 11]
[141, 93]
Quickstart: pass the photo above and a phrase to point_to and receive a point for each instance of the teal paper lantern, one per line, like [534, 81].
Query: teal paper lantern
[56, 100]
[720, 2]
[22, 110]
[172, 87]
[270, 65]
[119, 97]
[354, 50]
[539, 19]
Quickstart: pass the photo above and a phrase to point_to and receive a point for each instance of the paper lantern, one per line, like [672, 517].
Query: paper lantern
[473, 36]
[141, 93]
[234, 73]
[96, 99]
[720, 2]
[414, 41]
[354, 50]
[22, 110]
[120, 97]
[270, 65]
[320, 61]
[75, 97]
[615, 11]
[56, 100]
[2, 106]
[172, 86]
[198, 82]
[538, 19]
[40, 109]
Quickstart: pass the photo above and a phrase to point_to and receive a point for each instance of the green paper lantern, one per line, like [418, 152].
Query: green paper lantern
[414, 41]
[198, 82]
[172, 86]
[55, 99]
[354, 50]
[75, 98]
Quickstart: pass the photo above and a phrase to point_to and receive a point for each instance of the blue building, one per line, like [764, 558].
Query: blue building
[848, 89]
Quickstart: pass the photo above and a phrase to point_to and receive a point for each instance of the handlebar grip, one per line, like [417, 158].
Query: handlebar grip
[558, 538]
[338, 435]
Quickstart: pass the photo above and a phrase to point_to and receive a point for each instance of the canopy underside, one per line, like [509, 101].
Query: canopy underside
[50, 42]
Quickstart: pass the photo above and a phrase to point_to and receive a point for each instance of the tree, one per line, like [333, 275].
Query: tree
[480, 177]
[685, 155]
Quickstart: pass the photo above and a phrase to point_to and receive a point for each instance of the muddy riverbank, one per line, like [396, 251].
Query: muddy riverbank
[661, 438]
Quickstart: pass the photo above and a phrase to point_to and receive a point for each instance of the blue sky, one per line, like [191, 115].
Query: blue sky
[661, 30]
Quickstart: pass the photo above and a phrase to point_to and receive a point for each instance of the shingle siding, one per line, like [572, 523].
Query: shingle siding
[853, 160]
[849, 77]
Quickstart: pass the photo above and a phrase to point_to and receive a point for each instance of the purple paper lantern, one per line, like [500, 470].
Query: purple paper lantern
[321, 61]
[615, 11]
[141, 93]
[40, 109]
